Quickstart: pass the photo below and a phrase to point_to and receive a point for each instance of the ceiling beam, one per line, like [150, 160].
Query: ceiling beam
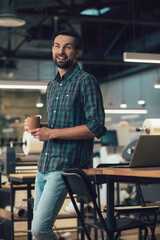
[96, 19]
[114, 41]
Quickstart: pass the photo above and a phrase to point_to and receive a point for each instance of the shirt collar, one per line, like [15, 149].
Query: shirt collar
[68, 74]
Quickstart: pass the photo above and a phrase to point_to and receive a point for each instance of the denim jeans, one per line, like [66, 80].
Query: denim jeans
[50, 193]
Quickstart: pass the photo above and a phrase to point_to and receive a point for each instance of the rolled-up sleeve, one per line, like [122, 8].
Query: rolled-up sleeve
[93, 106]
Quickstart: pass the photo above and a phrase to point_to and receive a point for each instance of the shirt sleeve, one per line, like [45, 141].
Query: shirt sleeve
[92, 102]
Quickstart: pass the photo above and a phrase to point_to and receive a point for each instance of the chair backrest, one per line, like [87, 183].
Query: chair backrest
[77, 182]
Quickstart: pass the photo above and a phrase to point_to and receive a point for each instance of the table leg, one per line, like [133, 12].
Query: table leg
[110, 207]
[12, 211]
[29, 210]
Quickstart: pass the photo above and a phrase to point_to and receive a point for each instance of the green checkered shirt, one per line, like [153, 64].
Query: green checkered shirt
[75, 100]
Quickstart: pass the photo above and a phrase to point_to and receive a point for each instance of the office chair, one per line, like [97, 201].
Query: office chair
[79, 183]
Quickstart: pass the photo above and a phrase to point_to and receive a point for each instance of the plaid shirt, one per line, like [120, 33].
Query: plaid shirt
[75, 100]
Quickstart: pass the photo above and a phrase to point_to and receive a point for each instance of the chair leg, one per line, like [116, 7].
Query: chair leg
[140, 234]
[81, 217]
[118, 234]
[145, 234]
[153, 237]
[99, 204]
[141, 199]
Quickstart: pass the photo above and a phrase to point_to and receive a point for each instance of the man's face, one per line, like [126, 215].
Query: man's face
[63, 51]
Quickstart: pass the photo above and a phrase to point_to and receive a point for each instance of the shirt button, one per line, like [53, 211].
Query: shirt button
[60, 84]
[54, 111]
[52, 125]
[56, 97]
[45, 153]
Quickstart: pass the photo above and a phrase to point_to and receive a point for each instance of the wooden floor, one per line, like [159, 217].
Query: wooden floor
[127, 235]
[130, 235]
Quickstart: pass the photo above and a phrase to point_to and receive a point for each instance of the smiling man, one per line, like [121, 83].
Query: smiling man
[75, 116]
[64, 52]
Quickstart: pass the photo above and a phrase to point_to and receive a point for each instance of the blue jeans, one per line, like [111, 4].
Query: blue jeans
[50, 193]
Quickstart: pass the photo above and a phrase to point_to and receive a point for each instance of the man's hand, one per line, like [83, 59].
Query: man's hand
[42, 134]
[26, 128]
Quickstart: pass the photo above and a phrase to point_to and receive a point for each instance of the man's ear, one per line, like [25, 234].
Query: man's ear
[78, 52]
[52, 50]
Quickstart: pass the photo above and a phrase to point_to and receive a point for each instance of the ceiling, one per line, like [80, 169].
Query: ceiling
[129, 25]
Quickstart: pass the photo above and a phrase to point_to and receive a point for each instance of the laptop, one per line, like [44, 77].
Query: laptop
[146, 153]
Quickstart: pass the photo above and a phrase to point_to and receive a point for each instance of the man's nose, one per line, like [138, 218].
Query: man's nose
[61, 50]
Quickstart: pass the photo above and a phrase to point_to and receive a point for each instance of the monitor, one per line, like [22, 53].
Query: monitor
[110, 138]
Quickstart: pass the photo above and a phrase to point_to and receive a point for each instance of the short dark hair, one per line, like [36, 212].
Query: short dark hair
[72, 33]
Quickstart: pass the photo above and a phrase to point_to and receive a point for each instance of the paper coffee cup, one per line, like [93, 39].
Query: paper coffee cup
[33, 122]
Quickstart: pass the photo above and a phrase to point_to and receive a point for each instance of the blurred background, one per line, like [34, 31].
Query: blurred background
[108, 28]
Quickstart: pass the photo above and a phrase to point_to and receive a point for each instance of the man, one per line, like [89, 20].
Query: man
[75, 116]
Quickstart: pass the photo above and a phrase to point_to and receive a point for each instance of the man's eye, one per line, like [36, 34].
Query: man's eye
[68, 47]
[56, 46]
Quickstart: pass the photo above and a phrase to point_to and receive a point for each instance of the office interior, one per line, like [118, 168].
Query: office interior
[114, 27]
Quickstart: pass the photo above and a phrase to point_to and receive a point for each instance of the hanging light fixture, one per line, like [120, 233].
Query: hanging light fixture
[126, 111]
[123, 103]
[10, 20]
[39, 103]
[4, 84]
[8, 17]
[157, 83]
[141, 57]
[141, 101]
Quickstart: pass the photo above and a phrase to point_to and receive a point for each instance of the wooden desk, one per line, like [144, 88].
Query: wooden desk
[112, 175]
[20, 179]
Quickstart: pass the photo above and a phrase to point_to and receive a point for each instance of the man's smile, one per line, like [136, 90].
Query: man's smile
[61, 58]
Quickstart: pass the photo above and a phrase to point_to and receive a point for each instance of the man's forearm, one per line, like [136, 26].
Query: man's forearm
[78, 132]
[72, 133]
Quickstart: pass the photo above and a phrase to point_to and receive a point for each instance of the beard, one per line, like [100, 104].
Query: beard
[63, 64]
